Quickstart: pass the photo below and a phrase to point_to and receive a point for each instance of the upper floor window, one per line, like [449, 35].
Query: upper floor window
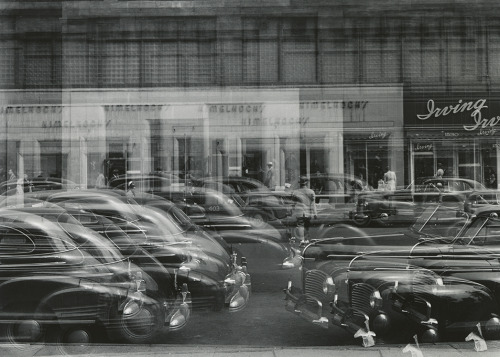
[279, 50]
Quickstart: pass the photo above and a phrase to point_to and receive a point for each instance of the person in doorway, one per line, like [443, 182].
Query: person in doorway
[390, 179]
[306, 210]
[439, 173]
[100, 182]
[269, 176]
[115, 174]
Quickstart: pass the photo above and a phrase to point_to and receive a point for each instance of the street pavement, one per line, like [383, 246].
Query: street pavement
[423, 350]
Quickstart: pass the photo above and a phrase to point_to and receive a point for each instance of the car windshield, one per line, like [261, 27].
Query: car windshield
[482, 231]
[439, 220]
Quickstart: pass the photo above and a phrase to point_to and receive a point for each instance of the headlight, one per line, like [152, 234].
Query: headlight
[131, 308]
[375, 300]
[328, 286]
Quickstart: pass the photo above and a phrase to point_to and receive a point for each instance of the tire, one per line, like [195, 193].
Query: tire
[75, 339]
[23, 335]
[362, 222]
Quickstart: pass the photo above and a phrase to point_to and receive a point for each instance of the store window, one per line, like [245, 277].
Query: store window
[367, 160]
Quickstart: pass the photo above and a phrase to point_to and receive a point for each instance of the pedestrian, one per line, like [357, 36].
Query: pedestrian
[20, 187]
[439, 173]
[12, 175]
[491, 179]
[306, 209]
[115, 174]
[390, 179]
[28, 185]
[100, 182]
[269, 176]
[130, 189]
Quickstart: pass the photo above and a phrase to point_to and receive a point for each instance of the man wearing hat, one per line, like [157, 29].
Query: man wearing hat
[306, 209]
[269, 177]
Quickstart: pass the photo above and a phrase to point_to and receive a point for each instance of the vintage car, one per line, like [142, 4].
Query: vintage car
[480, 198]
[213, 276]
[337, 189]
[101, 238]
[238, 183]
[50, 290]
[147, 183]
[403, 206]
[457, 289]
[262, 244]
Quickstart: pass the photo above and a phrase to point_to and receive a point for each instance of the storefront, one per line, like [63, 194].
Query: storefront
[302, 131]
[373, 133]
[456, 133]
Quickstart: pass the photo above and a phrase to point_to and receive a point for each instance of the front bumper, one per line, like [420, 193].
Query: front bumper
[307, 307]
[237, 286]
[177, 317]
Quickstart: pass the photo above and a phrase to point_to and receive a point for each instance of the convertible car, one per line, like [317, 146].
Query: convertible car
[438, 285]
[402, 206]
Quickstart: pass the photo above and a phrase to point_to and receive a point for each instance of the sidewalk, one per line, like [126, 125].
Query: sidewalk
[427, 350]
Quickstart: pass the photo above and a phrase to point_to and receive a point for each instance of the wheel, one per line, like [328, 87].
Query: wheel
[23, 335]
[362, 221]
[74, 339]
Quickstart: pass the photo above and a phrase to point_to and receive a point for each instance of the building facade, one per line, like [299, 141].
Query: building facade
[222, 88]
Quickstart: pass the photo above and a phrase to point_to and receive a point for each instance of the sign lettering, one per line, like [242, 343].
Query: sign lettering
[484, 125]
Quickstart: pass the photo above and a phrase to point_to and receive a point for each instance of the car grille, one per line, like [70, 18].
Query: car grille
[360, 297]
[314, 284]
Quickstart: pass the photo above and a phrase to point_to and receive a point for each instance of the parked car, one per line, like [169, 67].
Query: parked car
[480, 198]
[213, 277]
[146, 182]
[105, 241]
[259, 204]
[403, 206]
[262, 244]
[52, 290]
[239, 184]
[460, 274]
